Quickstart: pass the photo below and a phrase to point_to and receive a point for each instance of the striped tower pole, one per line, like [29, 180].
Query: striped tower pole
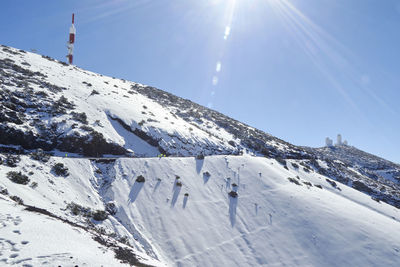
[72, 32]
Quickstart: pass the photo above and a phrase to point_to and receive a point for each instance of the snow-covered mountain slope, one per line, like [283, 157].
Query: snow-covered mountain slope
[273, 221]
[31, 239]
[53, 234]
[286, 208]
[370, 165]
[52, 105]
[370, 174]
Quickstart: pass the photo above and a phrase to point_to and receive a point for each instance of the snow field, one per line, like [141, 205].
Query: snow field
[271, 222]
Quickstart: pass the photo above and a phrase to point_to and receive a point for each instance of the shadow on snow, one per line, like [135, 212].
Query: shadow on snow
[137, 187]
[185, 199]
[232, 209]
[177, 190]
[157, 185]
[199, 165]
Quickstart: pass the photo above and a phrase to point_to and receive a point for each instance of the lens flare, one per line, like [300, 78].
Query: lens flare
[227, 32]
[215, 80]
[218, 67]
[229, 15]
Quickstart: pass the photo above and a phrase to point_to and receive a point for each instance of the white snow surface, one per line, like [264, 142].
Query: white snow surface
[30, 239]
[272, 222]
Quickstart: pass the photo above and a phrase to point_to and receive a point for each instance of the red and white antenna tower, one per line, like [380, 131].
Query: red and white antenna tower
[71, 41]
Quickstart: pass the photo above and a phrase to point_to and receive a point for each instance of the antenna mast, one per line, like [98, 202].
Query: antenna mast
[70, 44]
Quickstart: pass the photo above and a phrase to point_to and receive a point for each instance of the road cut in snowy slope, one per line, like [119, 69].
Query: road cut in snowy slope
[272, 222]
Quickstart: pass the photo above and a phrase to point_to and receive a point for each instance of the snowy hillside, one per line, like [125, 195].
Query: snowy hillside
[30, 239]
[51, 105]
[370, 165]
[370, 174]
[63, 109]
[272, 221]
[69, 178]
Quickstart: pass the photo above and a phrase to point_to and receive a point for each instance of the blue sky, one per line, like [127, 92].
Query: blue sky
[301, 70]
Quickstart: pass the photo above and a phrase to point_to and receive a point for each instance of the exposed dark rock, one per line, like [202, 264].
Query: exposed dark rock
[233, 194]
[93, 145]
[292, 180]
[140, 179]
[360, 186]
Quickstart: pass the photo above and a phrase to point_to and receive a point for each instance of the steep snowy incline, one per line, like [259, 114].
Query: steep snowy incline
[307, 220]
[60, 108]
[72, 199]
[370, 165]
[51, 105]
[219, 211]
[29, 239]
[368, 173]
[272, 221]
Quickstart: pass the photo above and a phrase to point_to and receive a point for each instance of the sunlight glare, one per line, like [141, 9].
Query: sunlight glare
[218, 67]
[215, 80]
[227, 32]
[329, 56]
